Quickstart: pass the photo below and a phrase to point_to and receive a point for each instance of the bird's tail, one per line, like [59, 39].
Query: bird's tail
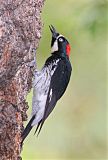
[27, 129]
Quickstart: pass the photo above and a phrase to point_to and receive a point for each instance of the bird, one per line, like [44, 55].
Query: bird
[50, 82]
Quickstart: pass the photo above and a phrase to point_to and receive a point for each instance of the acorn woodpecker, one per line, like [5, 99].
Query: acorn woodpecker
[50, 83]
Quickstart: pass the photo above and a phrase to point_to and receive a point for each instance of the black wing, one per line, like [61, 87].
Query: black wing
[58, 85]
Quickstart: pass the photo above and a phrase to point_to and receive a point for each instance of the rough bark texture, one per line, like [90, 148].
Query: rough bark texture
[20, 31]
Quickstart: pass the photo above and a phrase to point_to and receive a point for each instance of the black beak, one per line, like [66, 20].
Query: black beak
[53, 31]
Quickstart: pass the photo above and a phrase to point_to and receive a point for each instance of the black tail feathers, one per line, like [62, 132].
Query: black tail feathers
[27, 129]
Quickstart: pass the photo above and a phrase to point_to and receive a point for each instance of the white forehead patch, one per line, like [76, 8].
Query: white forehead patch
[60, 36]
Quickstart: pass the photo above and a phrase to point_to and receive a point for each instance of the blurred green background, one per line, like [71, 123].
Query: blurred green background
[77, 128]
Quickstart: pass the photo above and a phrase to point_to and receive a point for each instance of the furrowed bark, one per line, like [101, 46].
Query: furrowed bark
[20, 32]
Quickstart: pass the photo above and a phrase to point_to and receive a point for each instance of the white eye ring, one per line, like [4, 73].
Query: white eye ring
[60, 39]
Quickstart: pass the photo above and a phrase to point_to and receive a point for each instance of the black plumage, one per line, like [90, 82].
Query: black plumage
[57, 70]
[59, 83]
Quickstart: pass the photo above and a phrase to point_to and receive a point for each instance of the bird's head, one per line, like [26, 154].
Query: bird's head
[59, 43]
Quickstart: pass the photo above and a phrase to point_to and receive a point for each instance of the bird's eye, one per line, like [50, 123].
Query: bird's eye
[60, 39]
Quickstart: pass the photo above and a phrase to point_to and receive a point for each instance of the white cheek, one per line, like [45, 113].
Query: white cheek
[54, 47]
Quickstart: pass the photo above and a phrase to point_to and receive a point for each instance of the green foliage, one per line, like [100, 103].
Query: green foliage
[77, 126]
[94, 17]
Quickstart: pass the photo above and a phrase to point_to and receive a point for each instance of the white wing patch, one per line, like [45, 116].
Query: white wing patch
[50, 95]
[55, 66]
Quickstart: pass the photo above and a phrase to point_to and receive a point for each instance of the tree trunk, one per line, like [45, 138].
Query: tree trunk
[20, 32]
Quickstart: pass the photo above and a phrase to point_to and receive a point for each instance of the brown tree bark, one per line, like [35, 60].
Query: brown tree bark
[20, 32]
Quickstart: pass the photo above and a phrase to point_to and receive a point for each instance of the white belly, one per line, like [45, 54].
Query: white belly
[39, 108]
[40, 92]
